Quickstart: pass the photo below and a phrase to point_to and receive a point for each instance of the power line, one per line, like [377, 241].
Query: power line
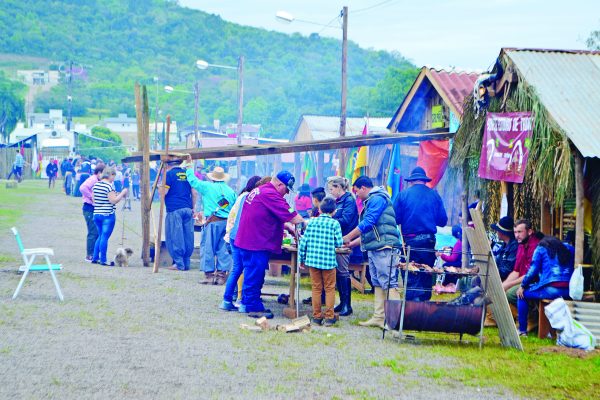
[373, 6]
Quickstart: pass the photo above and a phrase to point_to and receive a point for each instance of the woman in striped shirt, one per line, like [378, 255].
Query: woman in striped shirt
[105, 198]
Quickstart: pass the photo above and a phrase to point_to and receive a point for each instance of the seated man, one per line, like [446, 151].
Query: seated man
[506, 254]
[528, 241]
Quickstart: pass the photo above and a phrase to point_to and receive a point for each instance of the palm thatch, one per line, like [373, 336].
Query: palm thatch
[549, 173]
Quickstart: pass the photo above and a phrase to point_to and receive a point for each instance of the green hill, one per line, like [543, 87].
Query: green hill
[120, 42]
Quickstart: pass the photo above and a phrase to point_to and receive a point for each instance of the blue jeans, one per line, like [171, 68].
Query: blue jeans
[234, 274]
[179, 235]
[213, 246]
[545, 292]
[105, 225]
[92, 232]
[255, 263]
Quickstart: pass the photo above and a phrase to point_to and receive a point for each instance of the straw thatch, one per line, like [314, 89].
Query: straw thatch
[549, 175]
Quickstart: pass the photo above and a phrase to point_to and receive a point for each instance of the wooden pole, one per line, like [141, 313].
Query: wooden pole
[240, 118]
[579, 195]
[299, 147]
[342, 154]
[145, 176]
[158, 242]
[465, 217]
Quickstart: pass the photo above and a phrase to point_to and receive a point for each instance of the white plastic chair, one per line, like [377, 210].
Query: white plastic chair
[29, 256]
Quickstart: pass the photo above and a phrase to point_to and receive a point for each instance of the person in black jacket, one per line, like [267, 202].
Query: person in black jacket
[506, 254]
[51, 172]
[346, 213]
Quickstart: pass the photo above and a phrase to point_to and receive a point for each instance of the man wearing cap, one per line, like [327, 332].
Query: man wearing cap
[179, 222]
[378, 236]
[260, 232]
[419, 211]
[217, 200]
[506, 254]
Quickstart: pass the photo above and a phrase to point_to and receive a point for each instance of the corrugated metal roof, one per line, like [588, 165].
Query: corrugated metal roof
[454, 86]
[568, 85]
[326, 127]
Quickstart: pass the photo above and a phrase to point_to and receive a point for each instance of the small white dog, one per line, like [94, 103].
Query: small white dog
[122, 257]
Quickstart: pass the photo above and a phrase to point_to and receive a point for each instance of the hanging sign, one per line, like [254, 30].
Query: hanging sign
[437, 116]
[505, 147]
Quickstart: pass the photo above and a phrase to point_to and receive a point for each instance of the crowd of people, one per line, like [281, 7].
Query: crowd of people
[338, 224]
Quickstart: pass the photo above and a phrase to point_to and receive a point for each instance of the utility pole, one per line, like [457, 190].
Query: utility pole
[240, 115]
[69, 98]
[196, 99]
[342, 154]
[156, 141]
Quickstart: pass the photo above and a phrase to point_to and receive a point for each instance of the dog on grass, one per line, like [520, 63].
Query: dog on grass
[122, 257]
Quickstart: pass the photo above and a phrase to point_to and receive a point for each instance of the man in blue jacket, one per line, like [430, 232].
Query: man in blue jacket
[378, 236]
[419, 211]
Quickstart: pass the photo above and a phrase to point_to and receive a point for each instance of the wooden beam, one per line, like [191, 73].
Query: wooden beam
[490, 278]
[146, 203]
[296, 147]
[158, 239]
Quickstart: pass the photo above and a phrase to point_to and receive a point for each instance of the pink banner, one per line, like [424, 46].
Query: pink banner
[505, 147]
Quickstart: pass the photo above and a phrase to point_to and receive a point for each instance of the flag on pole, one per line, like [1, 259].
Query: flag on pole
[350, 164]
[394, 178]
[309, 174]
[34, 161]
[360, 167]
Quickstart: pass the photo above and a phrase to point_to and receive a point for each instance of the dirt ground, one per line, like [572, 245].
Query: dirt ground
[131, 334]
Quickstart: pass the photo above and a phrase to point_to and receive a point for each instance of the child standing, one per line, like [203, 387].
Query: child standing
[317, 251]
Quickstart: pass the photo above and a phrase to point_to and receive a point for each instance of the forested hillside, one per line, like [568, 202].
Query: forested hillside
[119, 42]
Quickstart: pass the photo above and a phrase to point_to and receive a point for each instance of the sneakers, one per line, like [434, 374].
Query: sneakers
[330, 321]
[88, 259]
[317, 321]
[228, 306]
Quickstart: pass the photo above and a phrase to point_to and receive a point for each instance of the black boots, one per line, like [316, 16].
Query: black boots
[345, 289]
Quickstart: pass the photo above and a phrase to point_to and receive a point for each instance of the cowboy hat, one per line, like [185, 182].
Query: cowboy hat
[218, 175]
[418, 174]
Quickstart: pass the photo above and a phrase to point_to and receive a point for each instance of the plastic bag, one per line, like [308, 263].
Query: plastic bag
[576, 284]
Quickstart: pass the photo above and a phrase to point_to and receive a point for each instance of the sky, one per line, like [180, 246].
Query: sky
[466, 34]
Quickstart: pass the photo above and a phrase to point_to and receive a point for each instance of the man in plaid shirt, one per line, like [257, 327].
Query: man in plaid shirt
[317, 251]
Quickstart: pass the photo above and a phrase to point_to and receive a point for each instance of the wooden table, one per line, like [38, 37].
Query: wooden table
[293, 251]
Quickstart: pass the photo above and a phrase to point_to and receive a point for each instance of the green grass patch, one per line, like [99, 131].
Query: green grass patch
[530, 373]
[15, 201]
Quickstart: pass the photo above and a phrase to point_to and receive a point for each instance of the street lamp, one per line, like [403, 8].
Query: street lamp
[202, 64]
[196, 93]
[286, 17]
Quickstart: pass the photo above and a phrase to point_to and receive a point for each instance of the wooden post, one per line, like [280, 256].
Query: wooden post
[342, 154]
[143, 123]
[490, 279]
[158, 241]
[579, 195]
[240, 118]
[465, 213]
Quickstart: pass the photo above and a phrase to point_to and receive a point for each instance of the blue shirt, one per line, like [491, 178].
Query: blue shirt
[377, 205]
[180, 192]
[217, 197]
[419, 210]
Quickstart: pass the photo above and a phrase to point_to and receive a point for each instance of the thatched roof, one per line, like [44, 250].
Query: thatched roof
[565, 111]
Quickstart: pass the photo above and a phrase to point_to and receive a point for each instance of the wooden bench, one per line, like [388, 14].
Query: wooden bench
[361, 268]
[544, 328]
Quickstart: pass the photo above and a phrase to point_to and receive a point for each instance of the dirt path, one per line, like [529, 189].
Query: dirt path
[128, 333]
